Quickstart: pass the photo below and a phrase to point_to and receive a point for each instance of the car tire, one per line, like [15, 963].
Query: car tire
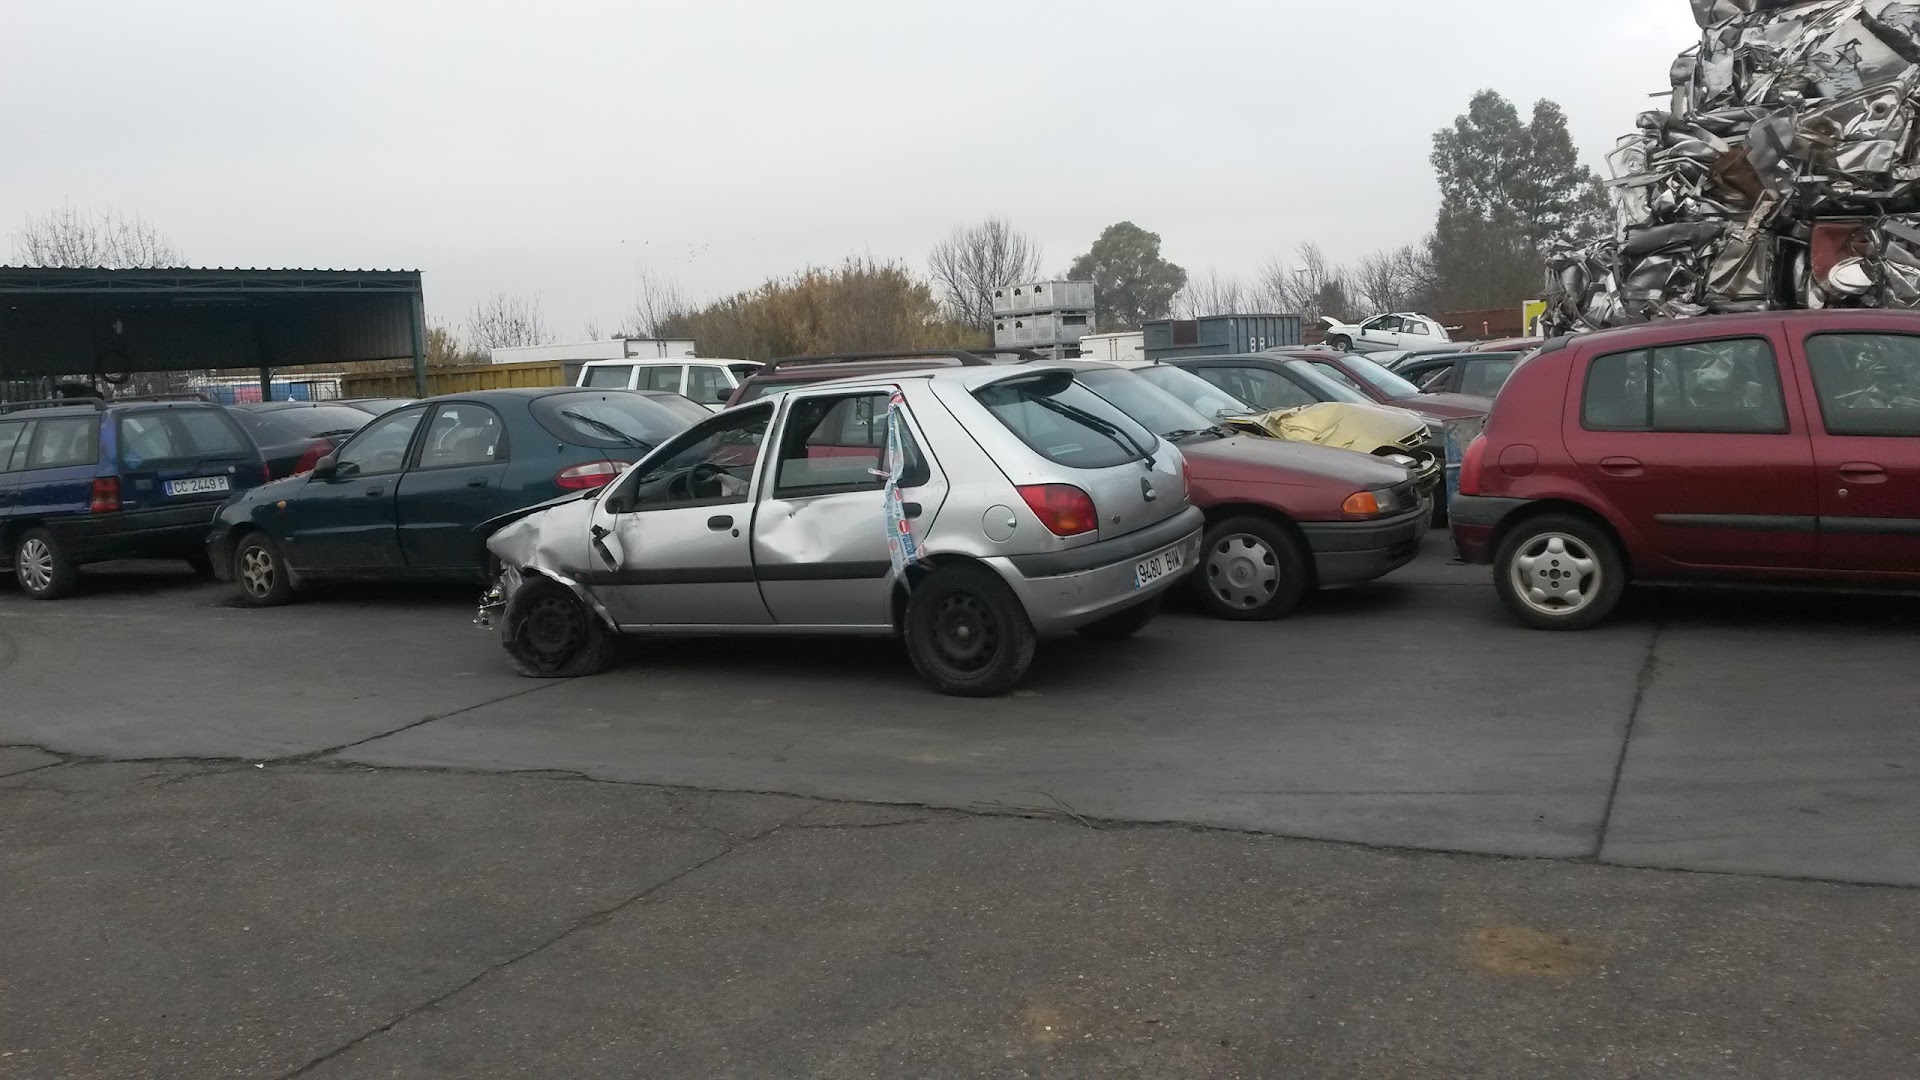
[1123, 625]
[1341, 342]
[549, 633]
[1251, 569]
[1573, 566]
[260, 571]
[42, 569]
[967, 633]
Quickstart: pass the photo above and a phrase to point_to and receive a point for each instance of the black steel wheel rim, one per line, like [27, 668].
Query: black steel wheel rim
[555, 629]
[965, 633]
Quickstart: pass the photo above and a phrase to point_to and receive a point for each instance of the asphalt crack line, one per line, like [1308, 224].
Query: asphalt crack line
[310, 755]
[593, 918]
[1649, 668]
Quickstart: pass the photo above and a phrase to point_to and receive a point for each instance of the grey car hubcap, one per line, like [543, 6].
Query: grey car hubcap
[1555, 574]
[256, 571]
[1242, 571]
[36, 564]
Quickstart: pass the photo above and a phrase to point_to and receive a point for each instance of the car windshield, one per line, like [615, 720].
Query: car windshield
[319, 420]
[1160, 411]
[1383, 380]
[1197, 393]
[1325, 387]
[612, 418]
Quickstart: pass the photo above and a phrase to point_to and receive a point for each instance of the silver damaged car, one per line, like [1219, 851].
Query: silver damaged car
[969, 510]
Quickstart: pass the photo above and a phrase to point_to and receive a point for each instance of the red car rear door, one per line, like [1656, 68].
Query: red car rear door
[1702, 446]
[1865, 382]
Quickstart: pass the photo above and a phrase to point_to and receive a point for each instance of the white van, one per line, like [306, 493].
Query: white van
[709, 382]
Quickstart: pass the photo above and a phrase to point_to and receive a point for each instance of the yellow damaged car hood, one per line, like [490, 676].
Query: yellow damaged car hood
[1366, 428]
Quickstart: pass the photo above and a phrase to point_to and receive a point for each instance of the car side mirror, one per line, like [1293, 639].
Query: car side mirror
[324, 468]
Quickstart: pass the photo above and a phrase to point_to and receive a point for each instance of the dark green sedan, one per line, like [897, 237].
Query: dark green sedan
[401, 498]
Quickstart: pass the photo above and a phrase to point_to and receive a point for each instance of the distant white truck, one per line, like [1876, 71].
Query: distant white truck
[1114, 348]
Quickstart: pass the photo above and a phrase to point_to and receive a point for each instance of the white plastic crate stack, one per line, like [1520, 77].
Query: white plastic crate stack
[1049, 317]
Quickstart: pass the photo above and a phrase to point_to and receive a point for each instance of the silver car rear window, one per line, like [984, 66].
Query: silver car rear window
[1065, 422]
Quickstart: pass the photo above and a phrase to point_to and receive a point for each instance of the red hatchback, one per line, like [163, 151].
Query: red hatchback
[1778, 447]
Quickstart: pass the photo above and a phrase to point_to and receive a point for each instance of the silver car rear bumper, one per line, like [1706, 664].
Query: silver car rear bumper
[1070, 589]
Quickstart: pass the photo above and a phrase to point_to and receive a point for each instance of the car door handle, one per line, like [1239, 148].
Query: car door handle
[1863, 472]
[1621, 466]
[911, 509]
[720, 523]
[374, 492]
[477, 482]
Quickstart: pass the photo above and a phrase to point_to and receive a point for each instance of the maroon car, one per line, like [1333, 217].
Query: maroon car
[1386, 388]
[1778, 447]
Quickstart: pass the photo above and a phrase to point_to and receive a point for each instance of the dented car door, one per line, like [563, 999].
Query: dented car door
[819, 538]
[670, 543]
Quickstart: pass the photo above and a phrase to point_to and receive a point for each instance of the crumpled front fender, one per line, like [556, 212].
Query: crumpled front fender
[552, 543]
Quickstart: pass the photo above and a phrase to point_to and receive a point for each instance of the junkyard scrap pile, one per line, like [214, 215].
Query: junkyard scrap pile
[1785, 173]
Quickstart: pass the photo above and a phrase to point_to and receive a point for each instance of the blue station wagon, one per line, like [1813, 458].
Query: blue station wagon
[87, 481]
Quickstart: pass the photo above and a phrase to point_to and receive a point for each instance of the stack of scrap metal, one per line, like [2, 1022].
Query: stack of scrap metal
[1785, 173]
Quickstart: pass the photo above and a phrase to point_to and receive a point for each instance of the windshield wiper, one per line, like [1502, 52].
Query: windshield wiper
[1188, 433]
[1120, 438]
[601, 425]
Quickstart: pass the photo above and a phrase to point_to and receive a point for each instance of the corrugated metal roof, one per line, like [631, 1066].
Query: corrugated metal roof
[69, 320]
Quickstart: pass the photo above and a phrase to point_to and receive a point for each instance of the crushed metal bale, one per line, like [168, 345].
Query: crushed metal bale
[1783, 173]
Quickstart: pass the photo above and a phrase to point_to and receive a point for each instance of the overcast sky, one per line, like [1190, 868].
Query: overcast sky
[553, 148]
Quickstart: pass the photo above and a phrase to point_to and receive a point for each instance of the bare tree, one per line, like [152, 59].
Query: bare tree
[1311, 287]
[1393, 280]
[504, 320]
[974, 260]
[107, 239]
[1213, 293]
[591, 329]
[659, 308]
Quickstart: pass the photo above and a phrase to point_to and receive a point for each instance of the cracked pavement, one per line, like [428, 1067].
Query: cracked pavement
[338, 839]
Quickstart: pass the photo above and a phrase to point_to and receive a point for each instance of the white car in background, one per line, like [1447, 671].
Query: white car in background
[711, 382]
[1401, 330]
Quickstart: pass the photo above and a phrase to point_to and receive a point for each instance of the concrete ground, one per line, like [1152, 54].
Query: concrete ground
[341, 838]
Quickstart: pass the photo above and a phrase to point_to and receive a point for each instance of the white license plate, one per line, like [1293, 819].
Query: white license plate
[1155, 567]
[199, 485]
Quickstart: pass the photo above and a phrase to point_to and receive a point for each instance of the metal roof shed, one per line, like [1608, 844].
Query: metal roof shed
[81, 321]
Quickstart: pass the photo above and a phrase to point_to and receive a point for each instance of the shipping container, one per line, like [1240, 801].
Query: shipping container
[455, 380]
[1041, 296]
[1216, 335]
[1063, 328]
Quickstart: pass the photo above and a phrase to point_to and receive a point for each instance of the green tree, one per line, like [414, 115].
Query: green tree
[1131, 282]
[1510, 189]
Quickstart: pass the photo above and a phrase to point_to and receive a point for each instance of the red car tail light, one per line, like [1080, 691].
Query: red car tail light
[106, 494]
[591, 475]
[1064, 509]
[321, 448]
[1471, 464]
